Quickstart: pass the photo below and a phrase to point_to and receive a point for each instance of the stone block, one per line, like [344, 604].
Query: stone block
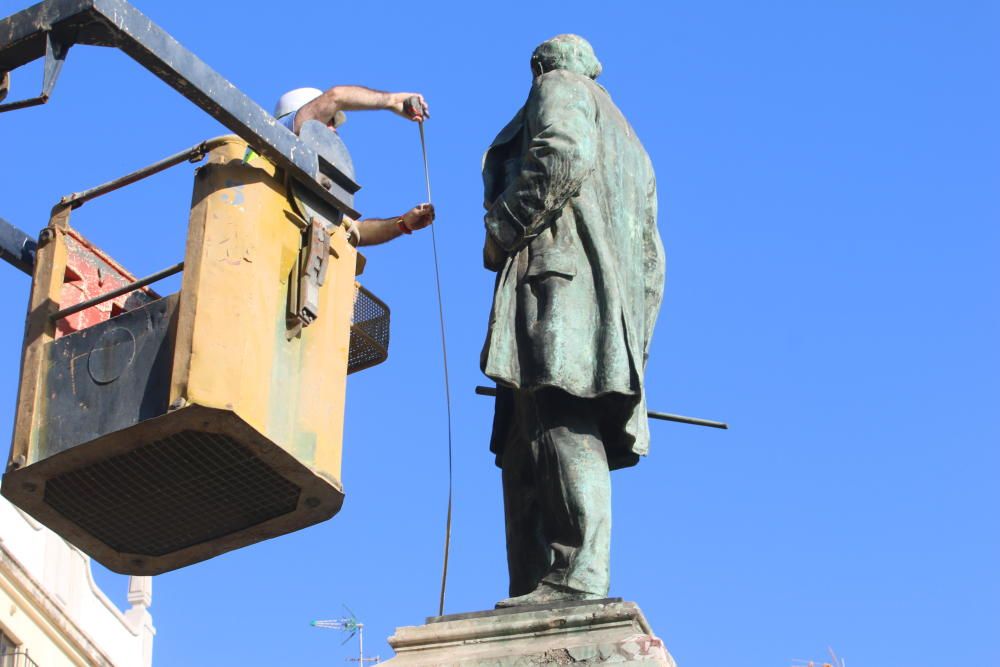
[592, 632]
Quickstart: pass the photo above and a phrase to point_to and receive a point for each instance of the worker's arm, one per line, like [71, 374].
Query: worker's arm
[374, 231]
[359, 98]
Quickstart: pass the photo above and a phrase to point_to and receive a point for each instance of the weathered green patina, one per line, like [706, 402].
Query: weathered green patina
[571, 232]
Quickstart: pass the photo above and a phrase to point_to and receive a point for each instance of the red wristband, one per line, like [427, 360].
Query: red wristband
[402, 226]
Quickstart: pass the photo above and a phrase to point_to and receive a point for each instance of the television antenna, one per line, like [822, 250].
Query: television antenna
[350, 624]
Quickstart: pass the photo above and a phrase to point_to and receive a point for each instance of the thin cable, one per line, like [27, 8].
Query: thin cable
[447, 386]
[427, 178]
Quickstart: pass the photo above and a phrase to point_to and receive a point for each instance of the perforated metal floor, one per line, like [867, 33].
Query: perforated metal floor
[173, 493]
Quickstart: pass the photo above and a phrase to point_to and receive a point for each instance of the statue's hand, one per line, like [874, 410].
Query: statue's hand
[494, 256]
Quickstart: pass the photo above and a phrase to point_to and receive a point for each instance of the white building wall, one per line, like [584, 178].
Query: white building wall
[51, 605]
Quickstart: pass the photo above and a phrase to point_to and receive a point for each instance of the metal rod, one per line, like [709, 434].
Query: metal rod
[193, 154]
[665, 416]
[125, 289]
[681, 419]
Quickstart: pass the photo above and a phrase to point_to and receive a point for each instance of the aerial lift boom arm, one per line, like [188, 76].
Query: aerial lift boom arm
[50, 28]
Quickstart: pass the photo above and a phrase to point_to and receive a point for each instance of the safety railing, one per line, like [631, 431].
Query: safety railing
[16, 659]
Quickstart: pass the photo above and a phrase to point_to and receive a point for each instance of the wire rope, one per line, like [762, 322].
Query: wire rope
[447, 386]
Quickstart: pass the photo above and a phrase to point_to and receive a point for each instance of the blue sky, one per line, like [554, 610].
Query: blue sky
[828, 184]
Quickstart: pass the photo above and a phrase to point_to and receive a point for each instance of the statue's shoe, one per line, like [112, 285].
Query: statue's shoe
[547, 593]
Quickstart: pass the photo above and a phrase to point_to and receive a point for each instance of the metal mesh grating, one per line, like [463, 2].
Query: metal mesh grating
[170, 494]
[369, 331]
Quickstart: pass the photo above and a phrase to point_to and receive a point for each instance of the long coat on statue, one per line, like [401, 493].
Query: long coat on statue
[571, 232]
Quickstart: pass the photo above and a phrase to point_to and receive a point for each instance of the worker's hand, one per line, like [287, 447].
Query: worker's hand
[419, 217]
[353, 231]
[417, 110]
[4, 84]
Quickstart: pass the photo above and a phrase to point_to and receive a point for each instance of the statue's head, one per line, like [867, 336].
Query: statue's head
[569, 52]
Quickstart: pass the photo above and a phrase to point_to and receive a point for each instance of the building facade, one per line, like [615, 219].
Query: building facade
[53, 614]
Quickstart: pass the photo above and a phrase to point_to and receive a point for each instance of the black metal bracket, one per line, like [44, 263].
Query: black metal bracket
[50, 28]
[55, 56]
[17, 247]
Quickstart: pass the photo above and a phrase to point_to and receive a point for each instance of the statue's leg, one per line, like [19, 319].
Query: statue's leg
[528, 553]
[574, 491]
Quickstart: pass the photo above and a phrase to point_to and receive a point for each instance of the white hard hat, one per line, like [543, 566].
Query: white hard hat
[294, 100]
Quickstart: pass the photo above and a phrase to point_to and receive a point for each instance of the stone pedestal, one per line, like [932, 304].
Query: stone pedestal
[594, 632]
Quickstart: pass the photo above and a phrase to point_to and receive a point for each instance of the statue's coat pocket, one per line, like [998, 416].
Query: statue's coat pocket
[551, 264]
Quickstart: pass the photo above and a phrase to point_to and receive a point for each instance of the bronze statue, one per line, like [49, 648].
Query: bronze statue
[571, 232]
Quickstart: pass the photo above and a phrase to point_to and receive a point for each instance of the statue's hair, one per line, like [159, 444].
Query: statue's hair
[569, 52]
